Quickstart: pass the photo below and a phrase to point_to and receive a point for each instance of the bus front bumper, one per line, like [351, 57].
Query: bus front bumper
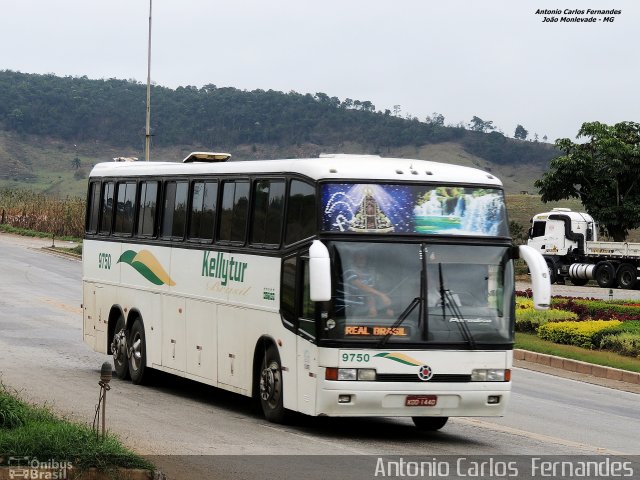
[355, 399]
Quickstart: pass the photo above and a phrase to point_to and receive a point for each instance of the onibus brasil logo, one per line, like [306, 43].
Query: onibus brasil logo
[148, 266]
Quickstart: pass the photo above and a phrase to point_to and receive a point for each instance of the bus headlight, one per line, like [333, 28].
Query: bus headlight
[347, 374]
[490, 375]
[367, 374]
[350, 374]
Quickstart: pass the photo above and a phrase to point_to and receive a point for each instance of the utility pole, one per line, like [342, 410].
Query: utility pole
[147, 137]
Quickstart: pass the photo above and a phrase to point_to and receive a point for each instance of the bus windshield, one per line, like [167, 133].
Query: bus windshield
[421, 293]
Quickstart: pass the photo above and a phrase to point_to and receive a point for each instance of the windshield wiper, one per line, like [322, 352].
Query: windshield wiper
[406, 312]
[414, 303]
[447, 299]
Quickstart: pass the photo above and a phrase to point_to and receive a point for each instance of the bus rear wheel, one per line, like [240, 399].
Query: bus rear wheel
[138, 353]
[429, 424]
[119, 350]
[271, 386]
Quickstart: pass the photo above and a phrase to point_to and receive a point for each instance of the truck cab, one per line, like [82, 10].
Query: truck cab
[561, 232]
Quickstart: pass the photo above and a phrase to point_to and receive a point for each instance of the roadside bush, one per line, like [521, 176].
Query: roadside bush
[586, 309]
[25, 209]
[631, 326]
[625, 343]
[530, 320]
[578, 333]
[523, 303]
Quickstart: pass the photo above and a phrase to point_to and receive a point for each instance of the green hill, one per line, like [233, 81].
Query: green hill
[54, 129]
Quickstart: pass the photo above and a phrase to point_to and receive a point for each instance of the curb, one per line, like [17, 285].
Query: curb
[577, 366]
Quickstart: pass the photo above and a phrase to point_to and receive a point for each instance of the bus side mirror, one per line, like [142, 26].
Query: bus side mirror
[540, 283]
[319, 272]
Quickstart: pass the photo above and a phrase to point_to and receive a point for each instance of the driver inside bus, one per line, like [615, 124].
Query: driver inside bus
[362, 277]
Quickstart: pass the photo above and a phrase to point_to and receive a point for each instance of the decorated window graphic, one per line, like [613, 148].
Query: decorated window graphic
[426, 209]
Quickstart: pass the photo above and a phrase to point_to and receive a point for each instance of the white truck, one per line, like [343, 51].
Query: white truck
[568, 241]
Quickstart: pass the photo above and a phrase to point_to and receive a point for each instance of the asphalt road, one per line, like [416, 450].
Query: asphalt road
[196, 431]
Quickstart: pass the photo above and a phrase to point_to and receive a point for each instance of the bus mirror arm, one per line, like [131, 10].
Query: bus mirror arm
[319, 272]
[540, 283]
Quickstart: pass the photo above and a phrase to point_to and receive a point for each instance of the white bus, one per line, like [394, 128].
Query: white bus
[342, 285]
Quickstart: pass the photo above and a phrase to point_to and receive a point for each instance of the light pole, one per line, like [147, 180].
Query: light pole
[147, 137]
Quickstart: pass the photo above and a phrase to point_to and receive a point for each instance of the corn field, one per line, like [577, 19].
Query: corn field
[23, 208]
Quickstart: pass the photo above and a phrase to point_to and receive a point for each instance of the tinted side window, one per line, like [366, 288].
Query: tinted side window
[307, 318]
[107, 207]
[125, 210]
[538, 229]
[288, 290]
[94, 207]
[203, 210]
[268, 212]
[147, 209]
[301, 212]
[175, 210]
[234, 211]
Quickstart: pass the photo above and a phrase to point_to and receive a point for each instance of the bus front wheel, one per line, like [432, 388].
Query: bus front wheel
[271, 386]
[137, 352]
[429, 424]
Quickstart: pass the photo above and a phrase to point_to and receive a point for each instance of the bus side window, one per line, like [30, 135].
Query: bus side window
[308, 314]
[288, 290]
[301, 212]
[94, 208]
[295, 300]
[107, 208]
[147, 209]
[234, 211]
[125, 208]
[203, 211]
[268, 212]
[174, 218]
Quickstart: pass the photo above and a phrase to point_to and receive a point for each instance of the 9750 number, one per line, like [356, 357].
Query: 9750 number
[104, 261]
[355, 357]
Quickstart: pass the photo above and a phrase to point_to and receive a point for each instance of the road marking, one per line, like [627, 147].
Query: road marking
[338, 445]
[537, 436]
[61, 306]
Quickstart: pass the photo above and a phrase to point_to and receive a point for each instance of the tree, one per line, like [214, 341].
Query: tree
[479, 125]
[436, 119]
[521, 133]
[602, 173]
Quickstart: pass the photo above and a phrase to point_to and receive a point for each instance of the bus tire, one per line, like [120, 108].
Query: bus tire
[429, 424]
[605, 275]
[137, 352]
[119, 350]
[627, 276]
[270, 392]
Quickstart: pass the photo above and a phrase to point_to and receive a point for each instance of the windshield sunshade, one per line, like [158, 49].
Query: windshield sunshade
[413, 209]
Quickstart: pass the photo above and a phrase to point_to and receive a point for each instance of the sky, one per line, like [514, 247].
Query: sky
[494, 59]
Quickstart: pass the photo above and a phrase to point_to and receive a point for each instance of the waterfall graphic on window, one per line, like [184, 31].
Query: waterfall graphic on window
[413, 209]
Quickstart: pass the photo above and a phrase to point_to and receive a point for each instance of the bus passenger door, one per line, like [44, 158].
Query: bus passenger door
[298, 308]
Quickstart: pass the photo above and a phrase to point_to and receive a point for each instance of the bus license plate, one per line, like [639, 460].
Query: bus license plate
[421, 400]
